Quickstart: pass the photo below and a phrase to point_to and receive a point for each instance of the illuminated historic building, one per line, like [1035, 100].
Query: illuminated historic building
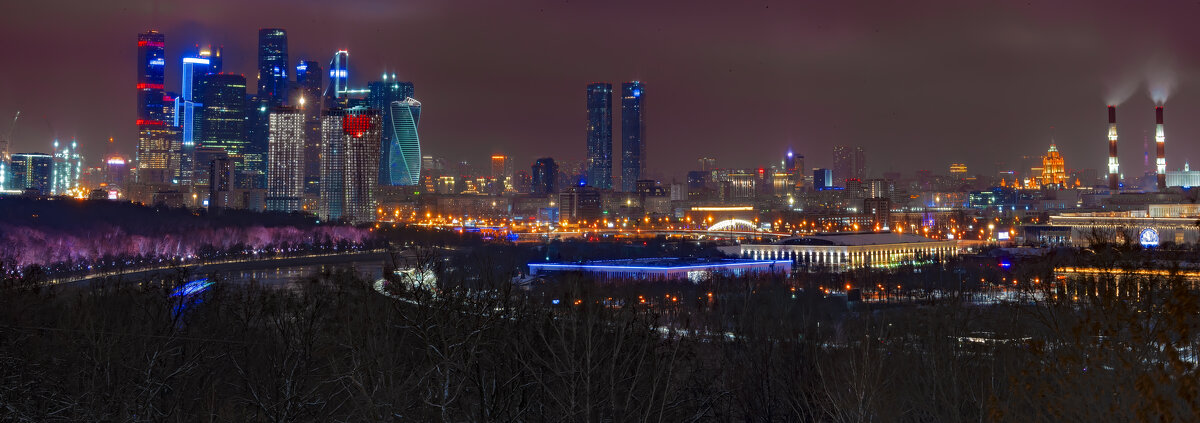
[1054, 172]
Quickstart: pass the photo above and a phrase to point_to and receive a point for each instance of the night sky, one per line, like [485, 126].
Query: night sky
[917, 84]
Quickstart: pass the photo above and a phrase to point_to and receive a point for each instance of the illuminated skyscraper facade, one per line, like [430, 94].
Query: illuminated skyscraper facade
[339, 76]
[380, 96]
[154, 138]
[224, 121]
[188, 110]
[599, 135]
[403, 159]
[285, 175]
[349, 164]
[272, 66]
[31, 171]
[68, 166]
[633, 135]
[308, 79]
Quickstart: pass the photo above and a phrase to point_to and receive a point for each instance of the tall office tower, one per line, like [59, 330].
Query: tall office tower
[154, 138]
[272, 66]
[220, 182]
[822, 179]
[848, 163]
[253, 166]
[502, 170]
[1114, 168]
[633, 135]
[31, 171]
[1160, 140]
[339, 75]
[187, 113]
[402, 163]
[707, 164]
[115, 172]
[380, 96]
[599, 135]
[349, 164]
[224, 121]
[544, 176]
[308, 79]
[68, 166]
[793, 164]
[285, 178]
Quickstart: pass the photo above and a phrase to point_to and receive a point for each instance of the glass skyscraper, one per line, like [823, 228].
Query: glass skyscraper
[633, 133]
[308, 79]
[339, 75]
[272, 66]
[224, 122]
[403, 153]
[31, 171]
[188, 110]
[599, 135]
[544, 176]
[380, 96]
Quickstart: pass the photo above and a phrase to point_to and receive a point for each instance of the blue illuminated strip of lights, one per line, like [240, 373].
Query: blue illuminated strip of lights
[701, 266]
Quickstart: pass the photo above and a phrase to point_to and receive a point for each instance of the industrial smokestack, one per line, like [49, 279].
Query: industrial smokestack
[1160, 139]
[1114, 171]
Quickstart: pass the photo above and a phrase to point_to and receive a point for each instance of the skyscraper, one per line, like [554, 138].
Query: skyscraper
[224, 122]
[272, 66]
[68, 166]
[188, 110]
[848, 163]
[285, 176]
[339, 75]
[308, 79]
[599, 135]
[349, 164]
[502, 170]
[544, 175]
[403, 156]
[633, 134]
[154, 138]
[31, 171]
[380, 96]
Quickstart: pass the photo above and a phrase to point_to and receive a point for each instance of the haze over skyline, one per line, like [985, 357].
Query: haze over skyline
[918, 85]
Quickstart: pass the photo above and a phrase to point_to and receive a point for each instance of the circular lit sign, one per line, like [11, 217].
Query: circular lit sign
[1148, 237]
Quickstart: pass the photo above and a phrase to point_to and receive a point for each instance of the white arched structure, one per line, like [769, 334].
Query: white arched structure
[733, 224]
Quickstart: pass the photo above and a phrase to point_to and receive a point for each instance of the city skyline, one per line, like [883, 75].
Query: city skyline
[1037, 77]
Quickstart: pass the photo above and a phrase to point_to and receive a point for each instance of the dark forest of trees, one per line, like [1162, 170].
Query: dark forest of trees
[332, 348]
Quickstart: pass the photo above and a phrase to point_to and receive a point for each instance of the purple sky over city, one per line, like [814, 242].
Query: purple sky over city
[917, 84]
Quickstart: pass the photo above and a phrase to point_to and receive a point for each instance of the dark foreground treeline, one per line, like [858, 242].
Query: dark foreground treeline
[335, 349]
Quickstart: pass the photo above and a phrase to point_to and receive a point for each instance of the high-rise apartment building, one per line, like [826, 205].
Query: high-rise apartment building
[599, 135]
[633, 135]
[349, 164]
[285, 175]
[848, 163]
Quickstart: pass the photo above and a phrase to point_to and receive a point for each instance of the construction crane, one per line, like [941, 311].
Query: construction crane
[4, 153]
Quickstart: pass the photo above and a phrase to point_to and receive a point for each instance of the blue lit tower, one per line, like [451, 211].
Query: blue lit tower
[308, 79]
[154, 137]
[403, 155]
[599, 135]
[633, 135]
[380, 96]
[339, 75]
[272, 66]
[188, 108]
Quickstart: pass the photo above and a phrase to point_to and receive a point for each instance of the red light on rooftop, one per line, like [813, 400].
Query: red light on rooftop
[144, 86]
[145, 122]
